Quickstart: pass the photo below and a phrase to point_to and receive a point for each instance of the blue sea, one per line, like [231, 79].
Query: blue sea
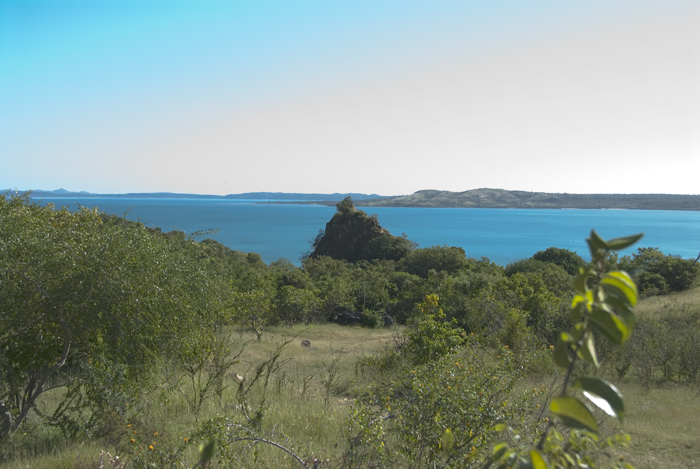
[502, 235]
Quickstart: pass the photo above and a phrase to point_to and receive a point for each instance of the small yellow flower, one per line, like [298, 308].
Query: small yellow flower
[186, 439]
[150, 447]
[132, 440]
[156, 434]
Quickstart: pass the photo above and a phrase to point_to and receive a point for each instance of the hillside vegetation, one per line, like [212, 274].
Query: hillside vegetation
[499, 198]
[120, 340]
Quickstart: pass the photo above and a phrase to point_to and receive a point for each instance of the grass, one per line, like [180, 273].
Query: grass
[685, 302]
[310, 393]
[664, 424]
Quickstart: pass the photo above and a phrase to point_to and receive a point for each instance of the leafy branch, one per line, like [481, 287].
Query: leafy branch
[603, 304]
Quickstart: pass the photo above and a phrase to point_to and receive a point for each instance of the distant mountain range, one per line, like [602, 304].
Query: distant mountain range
[499, 198]
[475, 198]
[287, 196]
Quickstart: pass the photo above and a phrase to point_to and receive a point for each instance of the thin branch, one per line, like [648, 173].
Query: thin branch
[36, 386]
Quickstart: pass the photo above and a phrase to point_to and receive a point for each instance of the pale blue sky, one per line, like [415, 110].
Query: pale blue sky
[378, 96]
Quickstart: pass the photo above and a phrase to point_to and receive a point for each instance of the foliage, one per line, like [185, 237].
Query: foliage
[420, 262]
[117, 320]
[346, 206]
[567, 260]
[659, 274]
[556, 279]
[86, 297]
[294, 305]
[389, 247]
[429, 336]
[402, 423]
[253, 308]
[602, 310]
[662, 350]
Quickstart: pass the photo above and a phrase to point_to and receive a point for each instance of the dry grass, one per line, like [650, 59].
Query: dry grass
[682, 302]
[300, 405]
[664, 424]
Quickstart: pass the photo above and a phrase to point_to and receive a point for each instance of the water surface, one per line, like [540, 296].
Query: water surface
[502, 235]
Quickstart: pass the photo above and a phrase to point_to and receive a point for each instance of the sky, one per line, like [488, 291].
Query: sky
[321, 96]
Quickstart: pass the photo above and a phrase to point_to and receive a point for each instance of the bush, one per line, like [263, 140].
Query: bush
[567, 260]
[404, 422]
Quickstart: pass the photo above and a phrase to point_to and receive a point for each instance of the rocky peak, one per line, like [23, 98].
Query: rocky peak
[348, 234]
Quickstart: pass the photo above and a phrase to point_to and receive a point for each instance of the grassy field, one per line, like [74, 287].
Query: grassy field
[664, 422]
[310, 391]
[309, 395]
[682, 302]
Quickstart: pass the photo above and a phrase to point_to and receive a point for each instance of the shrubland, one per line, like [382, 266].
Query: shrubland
[116, 338]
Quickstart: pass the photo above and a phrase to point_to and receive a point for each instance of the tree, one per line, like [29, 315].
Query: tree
[294, 305]
[657, 273]
[389, 247]
[567, 260]
[254, 308]
[89, 299]
[440, 258]
[557, 280]
[346, 206]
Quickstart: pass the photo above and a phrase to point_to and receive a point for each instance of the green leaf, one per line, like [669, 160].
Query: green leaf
[609, 325]
[616, 244]
[561, 354]
[597, 246]
[582, 301]
[206, 452]
[448, 440]
[620, 285]
[587, 352]
[573, 413]
[498, 451]
[577, 331]
[580, 280]
[538, 461]
[622, 310]
[603, 394]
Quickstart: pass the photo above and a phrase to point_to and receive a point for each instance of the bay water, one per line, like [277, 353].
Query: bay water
[276, 230]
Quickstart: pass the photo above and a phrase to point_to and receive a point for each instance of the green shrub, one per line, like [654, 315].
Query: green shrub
[401, 423]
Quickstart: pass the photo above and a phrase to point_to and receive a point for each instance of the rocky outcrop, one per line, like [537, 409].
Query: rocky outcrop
[349, 234]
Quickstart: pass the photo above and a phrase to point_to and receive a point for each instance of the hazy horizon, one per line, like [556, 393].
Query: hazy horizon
[69, 191]
[380, 97]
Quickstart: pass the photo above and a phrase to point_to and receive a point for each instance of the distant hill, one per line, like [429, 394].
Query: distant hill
[475, 198]
[286, 196]
[500, 198]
